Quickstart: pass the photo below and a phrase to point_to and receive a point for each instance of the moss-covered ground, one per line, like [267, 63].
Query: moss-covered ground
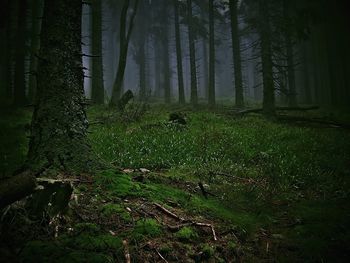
[273, 192]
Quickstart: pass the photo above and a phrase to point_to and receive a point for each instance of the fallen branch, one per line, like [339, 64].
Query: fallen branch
[189, 222]
[313, 120]
[168, 212]
[259, 110]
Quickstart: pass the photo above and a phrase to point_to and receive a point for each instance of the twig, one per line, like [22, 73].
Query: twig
[160, 255]
[207, 225]
[126, 251]
[168, 212]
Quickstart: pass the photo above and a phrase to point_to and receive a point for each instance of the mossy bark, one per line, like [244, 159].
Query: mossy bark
[59, 125]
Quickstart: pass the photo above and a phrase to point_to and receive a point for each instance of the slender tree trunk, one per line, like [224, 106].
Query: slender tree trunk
[97, 89]
[37, 6]
[5, 14]
[236, 48]
[124, 47]
[59, 124]
[19, 77]
[142, 69]
[179, 54]
[211, 91]
[266, 58]
[191, 39]
[290, 57]
[166, 61]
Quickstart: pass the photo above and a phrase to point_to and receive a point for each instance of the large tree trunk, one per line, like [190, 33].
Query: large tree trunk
[236, 48]
[37, 6]
[211, 91]
[179, 54]
[191, 39]
[266, 58]
[97, 89]
[59, 125]
[19, 78]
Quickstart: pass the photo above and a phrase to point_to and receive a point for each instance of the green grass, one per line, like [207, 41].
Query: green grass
[299, 174]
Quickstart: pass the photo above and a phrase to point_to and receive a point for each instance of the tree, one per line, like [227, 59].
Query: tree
[179, 53]
[290, 55]
[192, 47]
[124, 35]
[59, 125]
[211, 91]
[19, 77]
[266, 57]
[97, 89]
[236, 49]
[36, 6]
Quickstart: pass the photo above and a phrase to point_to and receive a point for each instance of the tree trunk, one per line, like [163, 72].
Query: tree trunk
[211, 90]
[142, 69]
[124, 47]
[97, 89]
[166, 62]
[236, 48]
[19, 78]
[4, 51]
[34, 46]
[292, 101]
[191, 39]
[59, 124]
[266, 58]
[179, 54]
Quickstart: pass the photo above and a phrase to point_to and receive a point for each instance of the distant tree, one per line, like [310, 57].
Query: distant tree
[179, 53]
[236, 48]
[5, 44]
[264, 29]
[36, 14]
[192, 47]
[124, 36]
[20, 52]
[211, 91]
[97, 87]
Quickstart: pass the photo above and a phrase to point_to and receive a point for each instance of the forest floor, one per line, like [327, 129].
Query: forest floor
[209, 186]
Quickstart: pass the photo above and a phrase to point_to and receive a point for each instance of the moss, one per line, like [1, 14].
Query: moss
[208, 251]
[109, 210]
[187, 234]
[90, 228]
[146, 228]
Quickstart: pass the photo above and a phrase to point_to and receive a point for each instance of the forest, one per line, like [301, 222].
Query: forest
[174, 131]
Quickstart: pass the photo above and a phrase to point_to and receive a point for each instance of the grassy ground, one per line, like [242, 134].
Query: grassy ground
[276, 192]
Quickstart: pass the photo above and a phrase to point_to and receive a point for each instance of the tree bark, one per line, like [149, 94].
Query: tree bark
[179, 54]
[191, 39]
[211, 91]
[59, 125]
[97, 89]
[236, 49]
